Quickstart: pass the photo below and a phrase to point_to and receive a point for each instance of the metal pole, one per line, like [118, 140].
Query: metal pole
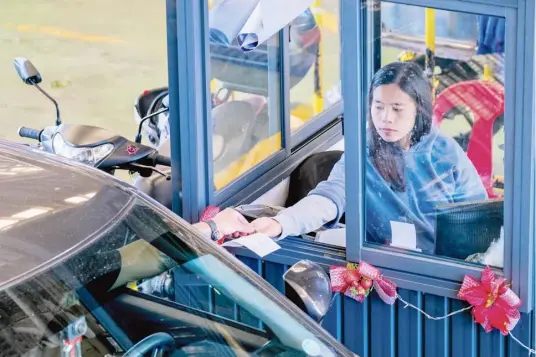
[430, 37]
[318, 101]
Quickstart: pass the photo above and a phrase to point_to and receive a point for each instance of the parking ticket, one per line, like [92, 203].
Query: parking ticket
[258, 243]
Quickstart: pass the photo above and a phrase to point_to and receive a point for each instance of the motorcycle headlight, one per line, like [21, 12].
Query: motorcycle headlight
[86, 155]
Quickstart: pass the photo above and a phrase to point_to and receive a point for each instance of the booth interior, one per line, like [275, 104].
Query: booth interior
[453, 206]
[398, 133]
[387, 132]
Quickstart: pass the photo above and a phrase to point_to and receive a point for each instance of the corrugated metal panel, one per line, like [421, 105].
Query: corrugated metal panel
[374, 329]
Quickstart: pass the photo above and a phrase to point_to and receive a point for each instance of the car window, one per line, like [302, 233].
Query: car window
[149, 272]
[43, 317]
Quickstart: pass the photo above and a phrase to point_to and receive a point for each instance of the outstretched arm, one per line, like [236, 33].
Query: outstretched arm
[325, 204]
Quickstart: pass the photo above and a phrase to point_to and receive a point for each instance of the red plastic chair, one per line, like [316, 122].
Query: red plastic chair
[486, 101]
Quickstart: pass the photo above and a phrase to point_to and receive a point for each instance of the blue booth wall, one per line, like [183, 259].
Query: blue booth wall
[372, 328]
[375, 329]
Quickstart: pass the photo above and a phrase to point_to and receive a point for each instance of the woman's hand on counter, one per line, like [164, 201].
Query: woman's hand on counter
[268, 226]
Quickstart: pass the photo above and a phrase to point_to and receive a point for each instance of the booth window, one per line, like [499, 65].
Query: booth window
[434, 163]
[265, 100]
[314, 61]
[246, 101]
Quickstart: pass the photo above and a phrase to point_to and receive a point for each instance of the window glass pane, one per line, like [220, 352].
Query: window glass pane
[314, 62]
[435, 133]
[92, 61]
[245, 89]
[132, 274]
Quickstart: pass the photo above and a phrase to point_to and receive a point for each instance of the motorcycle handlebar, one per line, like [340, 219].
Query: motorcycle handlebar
[162, 160]
[156, 159]
[30, 133]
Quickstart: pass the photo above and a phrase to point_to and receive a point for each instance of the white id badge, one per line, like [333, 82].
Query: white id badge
[403, 235]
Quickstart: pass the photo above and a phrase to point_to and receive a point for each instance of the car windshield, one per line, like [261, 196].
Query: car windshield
[148, 272]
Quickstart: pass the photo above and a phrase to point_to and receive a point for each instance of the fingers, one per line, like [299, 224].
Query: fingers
[246, 228]
[242, 219]
[243, 226]
[268, 226]
[231, 222]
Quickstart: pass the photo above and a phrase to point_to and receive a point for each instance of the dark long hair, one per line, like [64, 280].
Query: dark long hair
[387, 157]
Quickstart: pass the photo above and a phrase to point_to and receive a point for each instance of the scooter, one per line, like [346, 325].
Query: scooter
[91, 145]
[107, 151]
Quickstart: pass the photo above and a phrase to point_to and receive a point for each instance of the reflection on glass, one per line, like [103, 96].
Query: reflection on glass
[314, 62]
[435, 138]
[145, 274]
[245, 93]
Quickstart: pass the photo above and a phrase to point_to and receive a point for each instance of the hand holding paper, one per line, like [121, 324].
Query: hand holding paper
[258, 243]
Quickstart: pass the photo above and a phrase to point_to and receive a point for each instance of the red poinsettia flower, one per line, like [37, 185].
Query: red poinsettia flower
[357, 281]
[495, 305]
[347, 280]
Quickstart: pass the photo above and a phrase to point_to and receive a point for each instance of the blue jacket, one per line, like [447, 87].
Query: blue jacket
[491, 32]
[437, 172]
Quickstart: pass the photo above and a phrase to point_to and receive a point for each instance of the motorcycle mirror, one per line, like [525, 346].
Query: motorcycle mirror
[27, 71]
[308, 286]
[138, 135]
[165, 101]
[30, 75]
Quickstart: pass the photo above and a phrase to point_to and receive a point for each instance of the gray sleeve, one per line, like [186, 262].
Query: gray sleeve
[309, 214]
[334, 190]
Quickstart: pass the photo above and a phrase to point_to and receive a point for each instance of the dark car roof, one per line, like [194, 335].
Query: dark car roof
[48, 205]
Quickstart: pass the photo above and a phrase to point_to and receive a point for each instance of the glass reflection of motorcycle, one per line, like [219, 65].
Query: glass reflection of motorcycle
[240, 126]
[89, 144]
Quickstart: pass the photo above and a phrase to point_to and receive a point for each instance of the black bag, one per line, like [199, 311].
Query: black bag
[313, 170]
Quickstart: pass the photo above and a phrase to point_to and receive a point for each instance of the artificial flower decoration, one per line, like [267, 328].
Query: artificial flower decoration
[357, 281]
[209, 213]
[347, 281]
[495, 305]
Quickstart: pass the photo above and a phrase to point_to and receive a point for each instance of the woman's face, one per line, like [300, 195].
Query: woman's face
[393, 114]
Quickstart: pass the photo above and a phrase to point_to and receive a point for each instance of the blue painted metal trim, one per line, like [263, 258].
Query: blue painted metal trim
[295, 249]
[191, 97]
[511, 191]
[353, 89]
[284, 40]
[173, 78]
[480, 7]
[249, 178]
[316, 124]
[522, 259]
[438, 267]
[355, 78]
[275, 74]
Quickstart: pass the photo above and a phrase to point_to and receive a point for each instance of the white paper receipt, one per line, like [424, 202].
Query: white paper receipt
[403, 235]
[334, 236]
[258, 243]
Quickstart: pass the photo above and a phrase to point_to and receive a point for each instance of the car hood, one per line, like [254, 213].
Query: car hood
[48, 207]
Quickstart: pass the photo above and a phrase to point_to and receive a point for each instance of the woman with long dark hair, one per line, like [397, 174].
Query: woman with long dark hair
[411, 167]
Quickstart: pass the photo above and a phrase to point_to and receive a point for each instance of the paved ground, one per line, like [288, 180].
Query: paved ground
[95, 59]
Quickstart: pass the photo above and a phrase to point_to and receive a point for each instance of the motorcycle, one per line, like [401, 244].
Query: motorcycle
[91, 145]
[235, 134]
[239, 125]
